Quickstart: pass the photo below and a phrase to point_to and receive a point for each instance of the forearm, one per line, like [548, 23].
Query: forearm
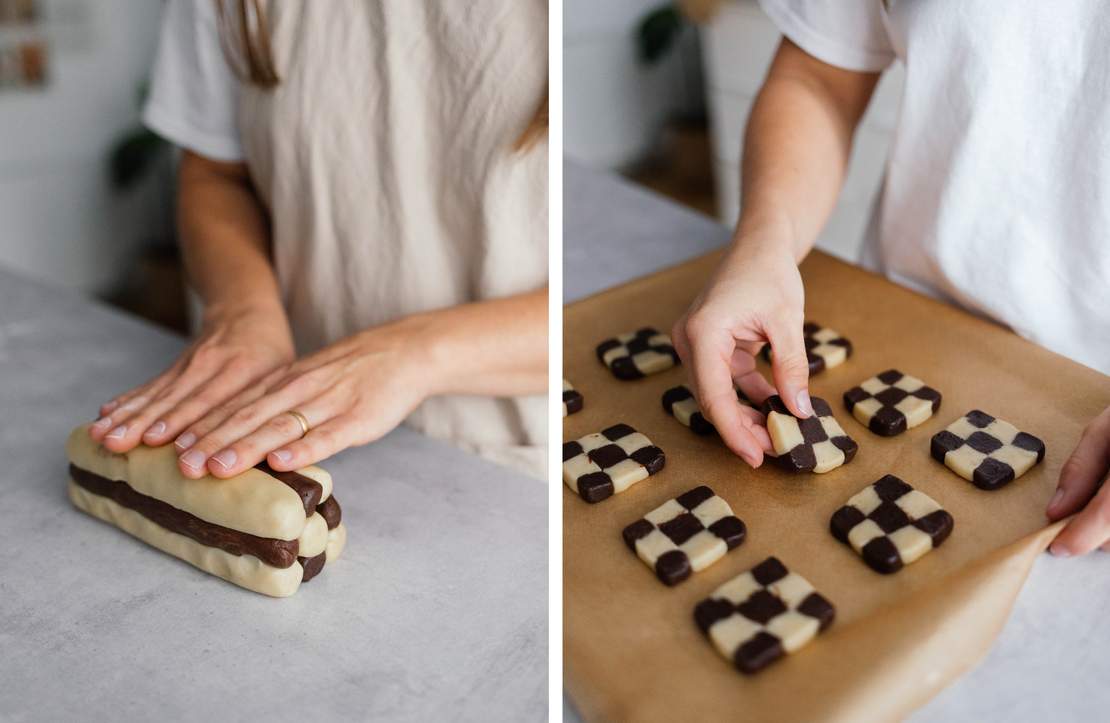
[796, 150]
[492, 348]
[225, 238]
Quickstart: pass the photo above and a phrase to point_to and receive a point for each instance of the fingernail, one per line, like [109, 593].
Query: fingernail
[283, 455]
[225, 458]
[109, 406]
[804, 404]
[1056, 498]
[194, 459]
[1059, 551]
[156, 430]
[102, 423]
[118, 433]
[185, 441]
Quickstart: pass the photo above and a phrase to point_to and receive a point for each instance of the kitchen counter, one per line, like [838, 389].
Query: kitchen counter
[436, 610]
[1050, 661]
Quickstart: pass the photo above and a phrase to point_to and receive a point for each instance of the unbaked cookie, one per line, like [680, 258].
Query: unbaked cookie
[815, 444]
[572, 399]
[892, 402]
[637, 354]
[890, 524]
[985, 451]
[679, 402]
[825, 348]
[760, 615]
[684, 535]
[605, 463]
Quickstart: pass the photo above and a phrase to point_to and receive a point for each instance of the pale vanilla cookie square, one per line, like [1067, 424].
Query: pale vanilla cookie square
[685, 535]
[814, 444]
[608, 462]
[757, 617]
[572, 399]
[892, 402]
[988, 452]
[890, 524]
[637, 354]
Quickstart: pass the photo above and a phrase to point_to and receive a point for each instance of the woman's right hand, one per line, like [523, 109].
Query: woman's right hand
[755, 297]
[234, 349]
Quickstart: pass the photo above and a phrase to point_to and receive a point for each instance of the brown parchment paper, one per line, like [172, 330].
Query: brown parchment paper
[631, 649]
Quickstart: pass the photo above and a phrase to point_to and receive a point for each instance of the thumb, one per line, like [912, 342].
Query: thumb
[790, 367]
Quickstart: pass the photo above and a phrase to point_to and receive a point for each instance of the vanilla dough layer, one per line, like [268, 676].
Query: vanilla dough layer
[253, 501]
[244, 570]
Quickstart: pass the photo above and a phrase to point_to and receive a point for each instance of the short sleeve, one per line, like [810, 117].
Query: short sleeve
[193, 98]
[849, 34]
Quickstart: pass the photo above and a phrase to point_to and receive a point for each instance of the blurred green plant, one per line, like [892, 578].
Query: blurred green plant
[658, 32]
[135, 152]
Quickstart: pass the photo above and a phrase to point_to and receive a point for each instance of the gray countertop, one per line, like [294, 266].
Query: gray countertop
[437, 609]
[1051, 661]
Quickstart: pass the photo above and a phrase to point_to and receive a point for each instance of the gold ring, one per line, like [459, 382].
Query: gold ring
[300, 420]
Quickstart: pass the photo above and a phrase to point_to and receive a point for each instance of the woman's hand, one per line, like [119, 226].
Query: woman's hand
[351, 393]
[234, 349]
[1083, 483]
[755, 297]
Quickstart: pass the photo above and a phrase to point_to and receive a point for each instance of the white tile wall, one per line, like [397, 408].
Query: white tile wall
[614, 105]
[737, 49]
[59, 221]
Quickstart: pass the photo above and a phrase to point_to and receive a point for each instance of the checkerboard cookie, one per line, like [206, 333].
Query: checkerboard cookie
[572, 399]
[815, 444]
[637, 354]
[759, 616]
[608, 462]
[825, 348]
[986, 451]
[685, 535]
[892, 402]
[679, 402]
[890, 524]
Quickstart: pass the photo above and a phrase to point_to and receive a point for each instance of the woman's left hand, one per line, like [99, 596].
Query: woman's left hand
[350, 393]
[1083, 483]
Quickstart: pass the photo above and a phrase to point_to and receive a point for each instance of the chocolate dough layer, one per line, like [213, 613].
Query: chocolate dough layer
[329, 510]
[312, 565]
[277, 553]
[309, 490]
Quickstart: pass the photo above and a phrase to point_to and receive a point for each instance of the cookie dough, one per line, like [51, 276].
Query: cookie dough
[637, 354]
[892, 402]
[987, 452]
[142, 493]
[605, 463]
[679, 402]
[572, 399]
[825, 348]
[684, 535]
[760, 615]
[815, 444]
[890, 524]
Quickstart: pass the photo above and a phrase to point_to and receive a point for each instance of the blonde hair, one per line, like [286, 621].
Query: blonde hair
[245, 39]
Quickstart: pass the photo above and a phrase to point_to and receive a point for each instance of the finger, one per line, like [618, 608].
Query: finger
[201, 400]
[243, 421]
[790, 366]
[128, 403]
[753, 385]
[274, 434]
[192, 458]
[712, 353]
[1085, 467]
[1089, 529]
[320, 443]
[136, 426]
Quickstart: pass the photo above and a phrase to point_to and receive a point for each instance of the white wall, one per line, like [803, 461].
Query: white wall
[737, 47]
[59, 220]
[614, 105]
